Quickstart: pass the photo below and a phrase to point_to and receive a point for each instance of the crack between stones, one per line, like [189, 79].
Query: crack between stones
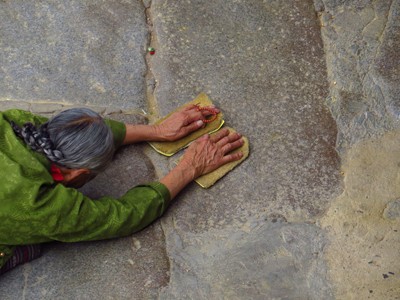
[26, 273]
[150, 80]
[320, 11]
[41, 107]
[152, 104]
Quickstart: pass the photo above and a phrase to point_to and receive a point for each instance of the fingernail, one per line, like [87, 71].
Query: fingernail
[199, 123]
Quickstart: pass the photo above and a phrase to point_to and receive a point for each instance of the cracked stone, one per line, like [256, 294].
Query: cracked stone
[367, 75]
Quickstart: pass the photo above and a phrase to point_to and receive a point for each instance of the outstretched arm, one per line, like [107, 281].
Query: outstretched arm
[176, 126]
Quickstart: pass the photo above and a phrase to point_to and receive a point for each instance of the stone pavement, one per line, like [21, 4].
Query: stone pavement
[314, 211]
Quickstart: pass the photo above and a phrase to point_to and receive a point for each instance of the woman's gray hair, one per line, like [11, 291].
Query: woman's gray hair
[75, 138]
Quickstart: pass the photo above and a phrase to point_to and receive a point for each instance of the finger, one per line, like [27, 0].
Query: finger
[232, 146]
[192, 116]
[229, 139]
[219, 135]
[193, 126]
[232, 157]
[190, 107]
[204, 137]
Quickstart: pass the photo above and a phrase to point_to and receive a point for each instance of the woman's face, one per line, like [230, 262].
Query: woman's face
[76, 178]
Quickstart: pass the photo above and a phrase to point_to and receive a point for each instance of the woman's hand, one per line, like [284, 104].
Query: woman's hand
[207, 153]
[176, 126]
[203, 156]
[182, 122]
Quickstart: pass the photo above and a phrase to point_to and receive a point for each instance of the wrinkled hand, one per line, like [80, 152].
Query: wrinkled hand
[182, 123]
[207, 153]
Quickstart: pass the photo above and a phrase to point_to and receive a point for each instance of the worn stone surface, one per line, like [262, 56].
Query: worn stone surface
[4, 105]
[361, 39]
[260, 259]
[363, 254]
[275, 227]
[263, 64]
[134, 267]
[126, 268]
[86, 52]
[269, 80]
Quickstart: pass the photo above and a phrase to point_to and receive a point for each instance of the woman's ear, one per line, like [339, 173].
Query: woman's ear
[71, 175]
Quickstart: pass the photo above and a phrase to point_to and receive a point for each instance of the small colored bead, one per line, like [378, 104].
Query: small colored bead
[212, 111]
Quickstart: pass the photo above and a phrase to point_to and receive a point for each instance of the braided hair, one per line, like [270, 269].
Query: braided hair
[38, 140]
[75, 138]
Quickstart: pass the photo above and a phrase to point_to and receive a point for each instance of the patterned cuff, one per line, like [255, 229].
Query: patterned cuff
[162, 190]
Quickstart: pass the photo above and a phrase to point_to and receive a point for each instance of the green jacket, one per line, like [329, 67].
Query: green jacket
[35, 209]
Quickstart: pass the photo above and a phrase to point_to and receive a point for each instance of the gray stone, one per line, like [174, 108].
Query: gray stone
[4, 105]
[99, 109]
[261, 260]
[387, 61]
[147, 3]
[45, 108]
[85, 52]
[125, 268]
[361, 39]
[392, 210]
[263, 64]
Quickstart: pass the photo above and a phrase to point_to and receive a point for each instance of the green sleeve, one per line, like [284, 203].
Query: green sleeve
[119, 130]
[20, 117]
[65, 214]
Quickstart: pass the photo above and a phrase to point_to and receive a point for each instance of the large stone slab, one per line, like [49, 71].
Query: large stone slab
[260, 260]
[134, 267]
[83, 52]
[361, 39]
[262, 63]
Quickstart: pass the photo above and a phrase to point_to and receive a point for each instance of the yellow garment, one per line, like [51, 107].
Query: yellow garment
[170, 148]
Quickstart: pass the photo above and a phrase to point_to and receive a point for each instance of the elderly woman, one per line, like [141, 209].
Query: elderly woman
[43, 162]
